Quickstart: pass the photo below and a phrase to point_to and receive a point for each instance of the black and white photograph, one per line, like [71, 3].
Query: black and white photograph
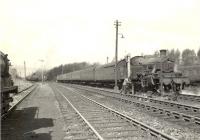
[100, 69]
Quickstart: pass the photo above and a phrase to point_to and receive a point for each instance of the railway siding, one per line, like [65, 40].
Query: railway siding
[166, 124]
[78, 126]
[163, 110]
[148, 130]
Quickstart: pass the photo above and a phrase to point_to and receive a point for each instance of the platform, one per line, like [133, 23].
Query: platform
[37, 117]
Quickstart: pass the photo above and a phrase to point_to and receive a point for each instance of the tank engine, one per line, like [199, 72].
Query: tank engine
[6, 83]
[157, 74]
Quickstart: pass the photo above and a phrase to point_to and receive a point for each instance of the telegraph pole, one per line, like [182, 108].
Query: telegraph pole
[62, 69]
[117, 23]
[42, 70]
[107, 59]
[24, 70]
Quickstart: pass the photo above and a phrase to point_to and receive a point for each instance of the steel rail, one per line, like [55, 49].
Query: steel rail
[91, 127]
[146, 98]
[26, 88]
[189, 97]
[151, 99]
[3, 116]
[168, 112]
[135, 122]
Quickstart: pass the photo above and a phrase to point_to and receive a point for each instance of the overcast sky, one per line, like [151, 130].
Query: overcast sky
[66, 31]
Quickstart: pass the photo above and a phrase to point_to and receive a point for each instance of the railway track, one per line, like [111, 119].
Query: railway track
[173, 111]
[96, 121]
[192, 98]
[184, 97]
[25, 93]
[26, 88]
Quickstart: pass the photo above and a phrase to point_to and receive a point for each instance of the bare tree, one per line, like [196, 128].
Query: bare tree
[175, 55]
[198, 54]
[156, 54]
[188, 56]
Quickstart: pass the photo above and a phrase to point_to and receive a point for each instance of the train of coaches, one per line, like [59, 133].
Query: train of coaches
[147, 73]
[142, 68]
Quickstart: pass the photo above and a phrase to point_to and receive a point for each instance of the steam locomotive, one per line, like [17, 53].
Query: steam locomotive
[6, 83]
[146, 73]
[35, 77]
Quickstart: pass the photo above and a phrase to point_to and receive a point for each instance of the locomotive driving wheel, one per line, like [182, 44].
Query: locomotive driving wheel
[176, 87]
[176, 90]
[167, 88]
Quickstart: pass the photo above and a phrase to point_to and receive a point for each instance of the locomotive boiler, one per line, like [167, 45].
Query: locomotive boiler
[147, 73]
[6, 83]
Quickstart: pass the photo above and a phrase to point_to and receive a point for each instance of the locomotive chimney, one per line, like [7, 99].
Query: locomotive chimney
[163, 53]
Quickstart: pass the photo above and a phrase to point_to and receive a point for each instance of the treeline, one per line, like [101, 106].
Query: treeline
[52, 73]
[187, 57]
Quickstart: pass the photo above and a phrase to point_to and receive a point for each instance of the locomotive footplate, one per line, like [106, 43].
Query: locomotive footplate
[12, 89]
